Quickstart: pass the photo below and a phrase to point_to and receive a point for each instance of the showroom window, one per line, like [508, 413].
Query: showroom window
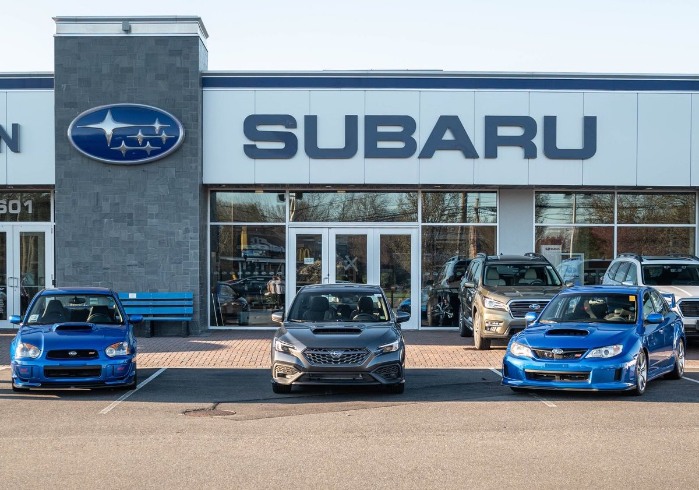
[575, 231]
[348, 207]
[455, 226]
[248, 250]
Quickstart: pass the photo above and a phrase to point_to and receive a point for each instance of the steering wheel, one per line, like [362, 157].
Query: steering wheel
[99, 318]
[536, 282]
[364, 317]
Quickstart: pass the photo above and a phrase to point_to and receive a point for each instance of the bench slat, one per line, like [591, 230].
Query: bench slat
[159, 306]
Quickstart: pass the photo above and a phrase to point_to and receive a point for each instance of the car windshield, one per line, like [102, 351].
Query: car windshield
[521, 275]
[591, 307]
[339, 306]
[58, 308]
[671, 274]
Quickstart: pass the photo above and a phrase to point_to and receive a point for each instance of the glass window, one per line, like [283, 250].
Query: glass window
[247, 207]
[343, 207]
[656, 208]
[574, 208]
[656, 240]
[246, 258]
[25, 206]
[459, 207]
[622, 271]
[593, 244]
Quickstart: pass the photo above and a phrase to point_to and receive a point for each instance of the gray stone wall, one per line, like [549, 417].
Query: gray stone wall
[139, 227]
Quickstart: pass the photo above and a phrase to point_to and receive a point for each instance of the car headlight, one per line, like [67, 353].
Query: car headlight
[521, 350]
[606, 352]
[494, 304]
[118, 349]
[386, 348]
[27, 350]
[281, 346]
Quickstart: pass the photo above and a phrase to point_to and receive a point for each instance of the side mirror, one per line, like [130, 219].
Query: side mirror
[278, 316]
[654, 318]
[670, 298]
[402, 316]
[135, 318]
[468, 284]
[569, 284]
[530, 317]
[16, 319]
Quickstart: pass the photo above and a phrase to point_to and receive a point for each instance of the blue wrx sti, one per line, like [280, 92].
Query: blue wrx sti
[598, 338]
[74, 337]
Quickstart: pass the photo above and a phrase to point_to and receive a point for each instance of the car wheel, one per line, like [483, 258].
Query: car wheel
[678, 370]
[464, 331]
[641, 374]
[281, 389]
[130, 386]
[396, 389]
[478, 341]
[18, 389]
[516, 389]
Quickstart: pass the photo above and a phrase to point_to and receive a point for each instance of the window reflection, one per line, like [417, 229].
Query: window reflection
[656, 240]
[353, 206]
[459, 207]
[679, 208]
[574, 208]
[247, 207]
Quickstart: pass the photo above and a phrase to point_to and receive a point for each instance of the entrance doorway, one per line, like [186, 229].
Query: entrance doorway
[384, 256]
[26, 266]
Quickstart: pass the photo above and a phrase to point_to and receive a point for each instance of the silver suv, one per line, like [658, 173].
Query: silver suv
[676, 274]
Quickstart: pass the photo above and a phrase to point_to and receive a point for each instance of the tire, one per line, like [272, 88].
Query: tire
[678, 371]
[281, 389]
[396, 389]
[130, 386]
[464, 331]
[478, 341]
[517, 389]
[641, 374]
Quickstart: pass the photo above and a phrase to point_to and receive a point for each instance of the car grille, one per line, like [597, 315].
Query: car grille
[72, 354]
[520, 308]
[572, 377]
[389, 372]
[689, 308]
[73, 372]
[335, 356]
[567, 354]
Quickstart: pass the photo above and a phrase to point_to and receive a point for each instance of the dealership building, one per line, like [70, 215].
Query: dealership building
[134, 167]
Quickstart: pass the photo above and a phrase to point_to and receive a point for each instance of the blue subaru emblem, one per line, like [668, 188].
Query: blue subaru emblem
[557, 351]
[126, 134]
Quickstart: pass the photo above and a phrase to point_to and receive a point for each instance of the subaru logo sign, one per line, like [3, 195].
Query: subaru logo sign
[126, 134]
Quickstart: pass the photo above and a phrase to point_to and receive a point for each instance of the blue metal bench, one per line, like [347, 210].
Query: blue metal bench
[160, 307]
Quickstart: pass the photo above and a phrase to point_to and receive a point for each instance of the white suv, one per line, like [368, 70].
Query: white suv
[676, 274]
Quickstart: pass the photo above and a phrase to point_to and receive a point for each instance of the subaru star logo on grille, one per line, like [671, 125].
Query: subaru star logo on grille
[535, 307]
[126, 134]
[557, 351]
[336, 354]
[72, 353]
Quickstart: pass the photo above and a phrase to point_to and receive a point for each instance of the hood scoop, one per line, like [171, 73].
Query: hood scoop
[337, 331]
[567, 332]
[73, 327]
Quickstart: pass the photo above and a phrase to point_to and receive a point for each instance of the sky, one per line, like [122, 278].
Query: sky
[530, 36]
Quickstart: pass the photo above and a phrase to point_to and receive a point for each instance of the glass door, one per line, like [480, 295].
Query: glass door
[384, 256]
[26, 266]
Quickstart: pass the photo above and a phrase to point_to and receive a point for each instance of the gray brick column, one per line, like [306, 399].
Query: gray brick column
[132, 227]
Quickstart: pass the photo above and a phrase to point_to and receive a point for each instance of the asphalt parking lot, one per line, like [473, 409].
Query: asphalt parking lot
[204, 415]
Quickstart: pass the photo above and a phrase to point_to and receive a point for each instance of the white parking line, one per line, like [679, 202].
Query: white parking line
[542, 400]
[131, 392]
[690, 379]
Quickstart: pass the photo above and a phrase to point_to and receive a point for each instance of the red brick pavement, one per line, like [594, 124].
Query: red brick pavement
[251, 349]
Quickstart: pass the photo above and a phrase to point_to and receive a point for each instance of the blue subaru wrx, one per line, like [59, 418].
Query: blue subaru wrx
[74, 337]
[597, 338]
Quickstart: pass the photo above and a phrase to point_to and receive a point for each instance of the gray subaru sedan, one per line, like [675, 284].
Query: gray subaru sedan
[339, 334]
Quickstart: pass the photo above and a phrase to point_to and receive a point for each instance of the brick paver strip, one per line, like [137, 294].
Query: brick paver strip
[251, 349]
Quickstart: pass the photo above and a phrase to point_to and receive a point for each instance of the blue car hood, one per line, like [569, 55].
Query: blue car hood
[575, 335]
[75, 335]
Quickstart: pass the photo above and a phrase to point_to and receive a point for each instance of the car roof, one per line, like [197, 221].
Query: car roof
[668, 259]
[533, 259]
[344, 287]
[77, 290]
[604, 289]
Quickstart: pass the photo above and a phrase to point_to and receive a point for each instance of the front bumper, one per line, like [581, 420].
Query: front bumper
[499, 324]
[37, 373]
[596, 375]
[384, 369]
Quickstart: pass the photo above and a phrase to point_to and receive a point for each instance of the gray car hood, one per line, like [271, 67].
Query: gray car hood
[338, 334]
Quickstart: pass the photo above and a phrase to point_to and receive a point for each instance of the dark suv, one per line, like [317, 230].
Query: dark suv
[498, 290]
[443, 295]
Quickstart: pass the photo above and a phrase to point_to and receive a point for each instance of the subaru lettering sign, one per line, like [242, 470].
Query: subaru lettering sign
[126, 134]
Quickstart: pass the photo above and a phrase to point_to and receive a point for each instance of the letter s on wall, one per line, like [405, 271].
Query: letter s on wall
[288, 139]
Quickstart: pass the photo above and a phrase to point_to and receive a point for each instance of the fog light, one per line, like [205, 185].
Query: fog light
[25, 372]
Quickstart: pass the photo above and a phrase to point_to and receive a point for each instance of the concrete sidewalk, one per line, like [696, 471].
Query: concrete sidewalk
[251, 349]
